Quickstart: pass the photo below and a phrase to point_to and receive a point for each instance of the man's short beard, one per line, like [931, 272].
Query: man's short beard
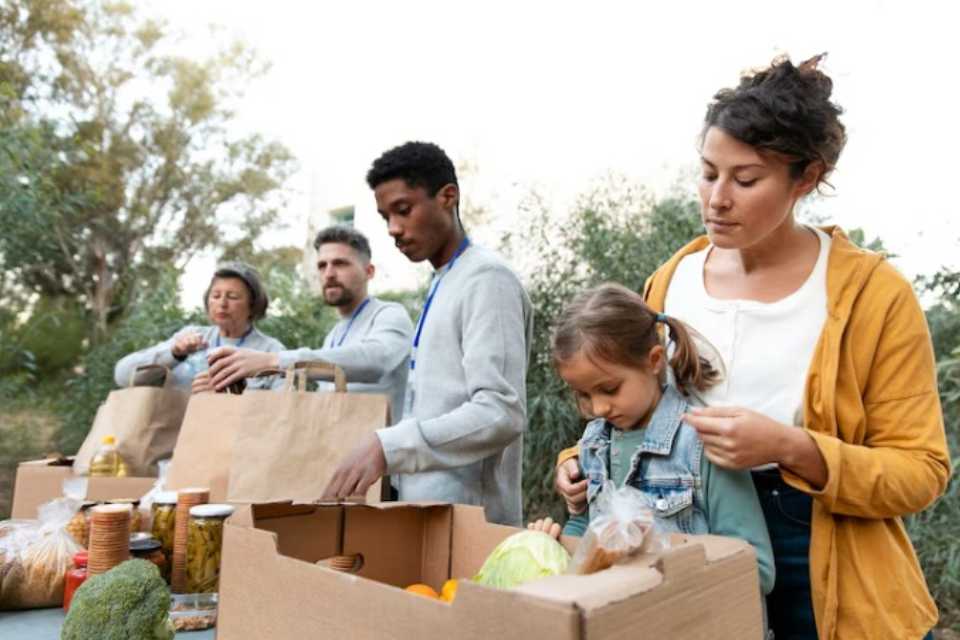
[346, 298]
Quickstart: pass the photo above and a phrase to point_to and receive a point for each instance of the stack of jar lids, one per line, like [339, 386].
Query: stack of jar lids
[109, 537]
[186, 499]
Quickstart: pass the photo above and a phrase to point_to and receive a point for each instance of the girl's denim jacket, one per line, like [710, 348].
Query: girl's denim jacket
[665, 468]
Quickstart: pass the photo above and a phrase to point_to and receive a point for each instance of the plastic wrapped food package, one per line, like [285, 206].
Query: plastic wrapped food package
[36, 557]
[621, 525]
[193, 611]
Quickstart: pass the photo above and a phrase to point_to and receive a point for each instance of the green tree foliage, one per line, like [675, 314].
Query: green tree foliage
[54, 334]
[934, 531]
[944, 314]
[298, 317]
[616, 232]
[116, 154]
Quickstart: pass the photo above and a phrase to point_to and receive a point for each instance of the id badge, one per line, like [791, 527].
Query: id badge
[409, 394]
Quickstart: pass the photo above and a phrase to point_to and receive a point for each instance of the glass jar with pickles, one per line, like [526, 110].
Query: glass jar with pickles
[204, 545]
[163, 514]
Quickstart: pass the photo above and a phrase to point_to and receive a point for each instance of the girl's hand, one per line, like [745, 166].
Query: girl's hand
[568, 484]
[548, 526]
[737, 438]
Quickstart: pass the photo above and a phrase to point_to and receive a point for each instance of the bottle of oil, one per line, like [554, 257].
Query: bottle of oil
[107, 460]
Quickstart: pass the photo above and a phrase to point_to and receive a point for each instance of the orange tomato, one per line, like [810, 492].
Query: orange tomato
[423, 590]
[449, 590]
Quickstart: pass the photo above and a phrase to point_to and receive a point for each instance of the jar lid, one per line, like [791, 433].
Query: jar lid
[144, 544]
[211, 510]
[165, 497]
[80, 558]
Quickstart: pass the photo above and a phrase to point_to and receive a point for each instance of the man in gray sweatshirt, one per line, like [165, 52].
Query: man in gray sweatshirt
[461, 438]
[371, 342]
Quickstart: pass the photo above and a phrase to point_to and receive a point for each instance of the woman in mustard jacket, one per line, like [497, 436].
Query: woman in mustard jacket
[830, 394]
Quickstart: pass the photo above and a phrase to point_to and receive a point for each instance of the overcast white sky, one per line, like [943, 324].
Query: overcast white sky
[555, 94]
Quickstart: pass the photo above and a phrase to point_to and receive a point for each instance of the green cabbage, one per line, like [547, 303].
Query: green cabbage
[521, 558]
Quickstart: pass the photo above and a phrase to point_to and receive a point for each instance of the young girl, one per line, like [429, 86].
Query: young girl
[607, 347]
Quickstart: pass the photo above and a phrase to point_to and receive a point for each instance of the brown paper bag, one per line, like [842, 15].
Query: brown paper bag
[265, 446]
[145, 421]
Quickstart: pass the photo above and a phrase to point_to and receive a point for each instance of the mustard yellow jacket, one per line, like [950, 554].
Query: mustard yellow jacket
[872, 407]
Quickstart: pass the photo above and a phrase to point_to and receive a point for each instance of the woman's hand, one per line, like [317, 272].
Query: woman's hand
[548, 526]
[738, 438]
[201, 383]
[734, 437]
[187, 344]
[569, 485]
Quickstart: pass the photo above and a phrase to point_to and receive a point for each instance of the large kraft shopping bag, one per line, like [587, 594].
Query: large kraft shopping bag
[290, 443]
[145, 420]
[205, 446]
[273, 445]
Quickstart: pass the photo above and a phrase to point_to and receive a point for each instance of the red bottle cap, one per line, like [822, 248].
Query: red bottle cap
[80, 558]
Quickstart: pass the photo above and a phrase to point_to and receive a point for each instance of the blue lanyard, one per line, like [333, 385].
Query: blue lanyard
[353, 317]
[433, 292]
[243, 338]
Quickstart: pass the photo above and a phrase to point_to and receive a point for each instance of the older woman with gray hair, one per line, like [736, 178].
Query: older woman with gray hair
[234, 300]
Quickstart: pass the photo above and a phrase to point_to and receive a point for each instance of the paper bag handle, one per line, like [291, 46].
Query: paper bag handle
[167, 378]
[322, 369]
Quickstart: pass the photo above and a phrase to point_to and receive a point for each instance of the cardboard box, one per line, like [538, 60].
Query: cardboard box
[39, 481]
[270, 586]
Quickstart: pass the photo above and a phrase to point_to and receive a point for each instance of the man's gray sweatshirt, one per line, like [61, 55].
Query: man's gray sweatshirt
[374, 353]
[463, 441]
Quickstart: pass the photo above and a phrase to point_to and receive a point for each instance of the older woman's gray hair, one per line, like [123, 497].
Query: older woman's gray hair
[259, 301]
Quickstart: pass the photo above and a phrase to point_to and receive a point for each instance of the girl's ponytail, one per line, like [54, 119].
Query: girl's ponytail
[613, 323]
[690, 368]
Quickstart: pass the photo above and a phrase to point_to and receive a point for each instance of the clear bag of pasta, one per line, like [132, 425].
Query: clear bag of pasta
[37, 554]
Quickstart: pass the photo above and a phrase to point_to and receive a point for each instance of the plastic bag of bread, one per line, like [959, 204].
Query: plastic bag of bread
[15, 536]
[621, 525]
[37, 556]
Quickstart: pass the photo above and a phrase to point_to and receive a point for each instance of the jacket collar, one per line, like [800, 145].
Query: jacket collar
[658, 435]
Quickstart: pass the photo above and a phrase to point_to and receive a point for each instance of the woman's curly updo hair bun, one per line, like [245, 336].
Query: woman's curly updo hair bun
[784, 109]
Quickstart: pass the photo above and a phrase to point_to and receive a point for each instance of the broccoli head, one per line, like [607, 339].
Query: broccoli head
[129, 601]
